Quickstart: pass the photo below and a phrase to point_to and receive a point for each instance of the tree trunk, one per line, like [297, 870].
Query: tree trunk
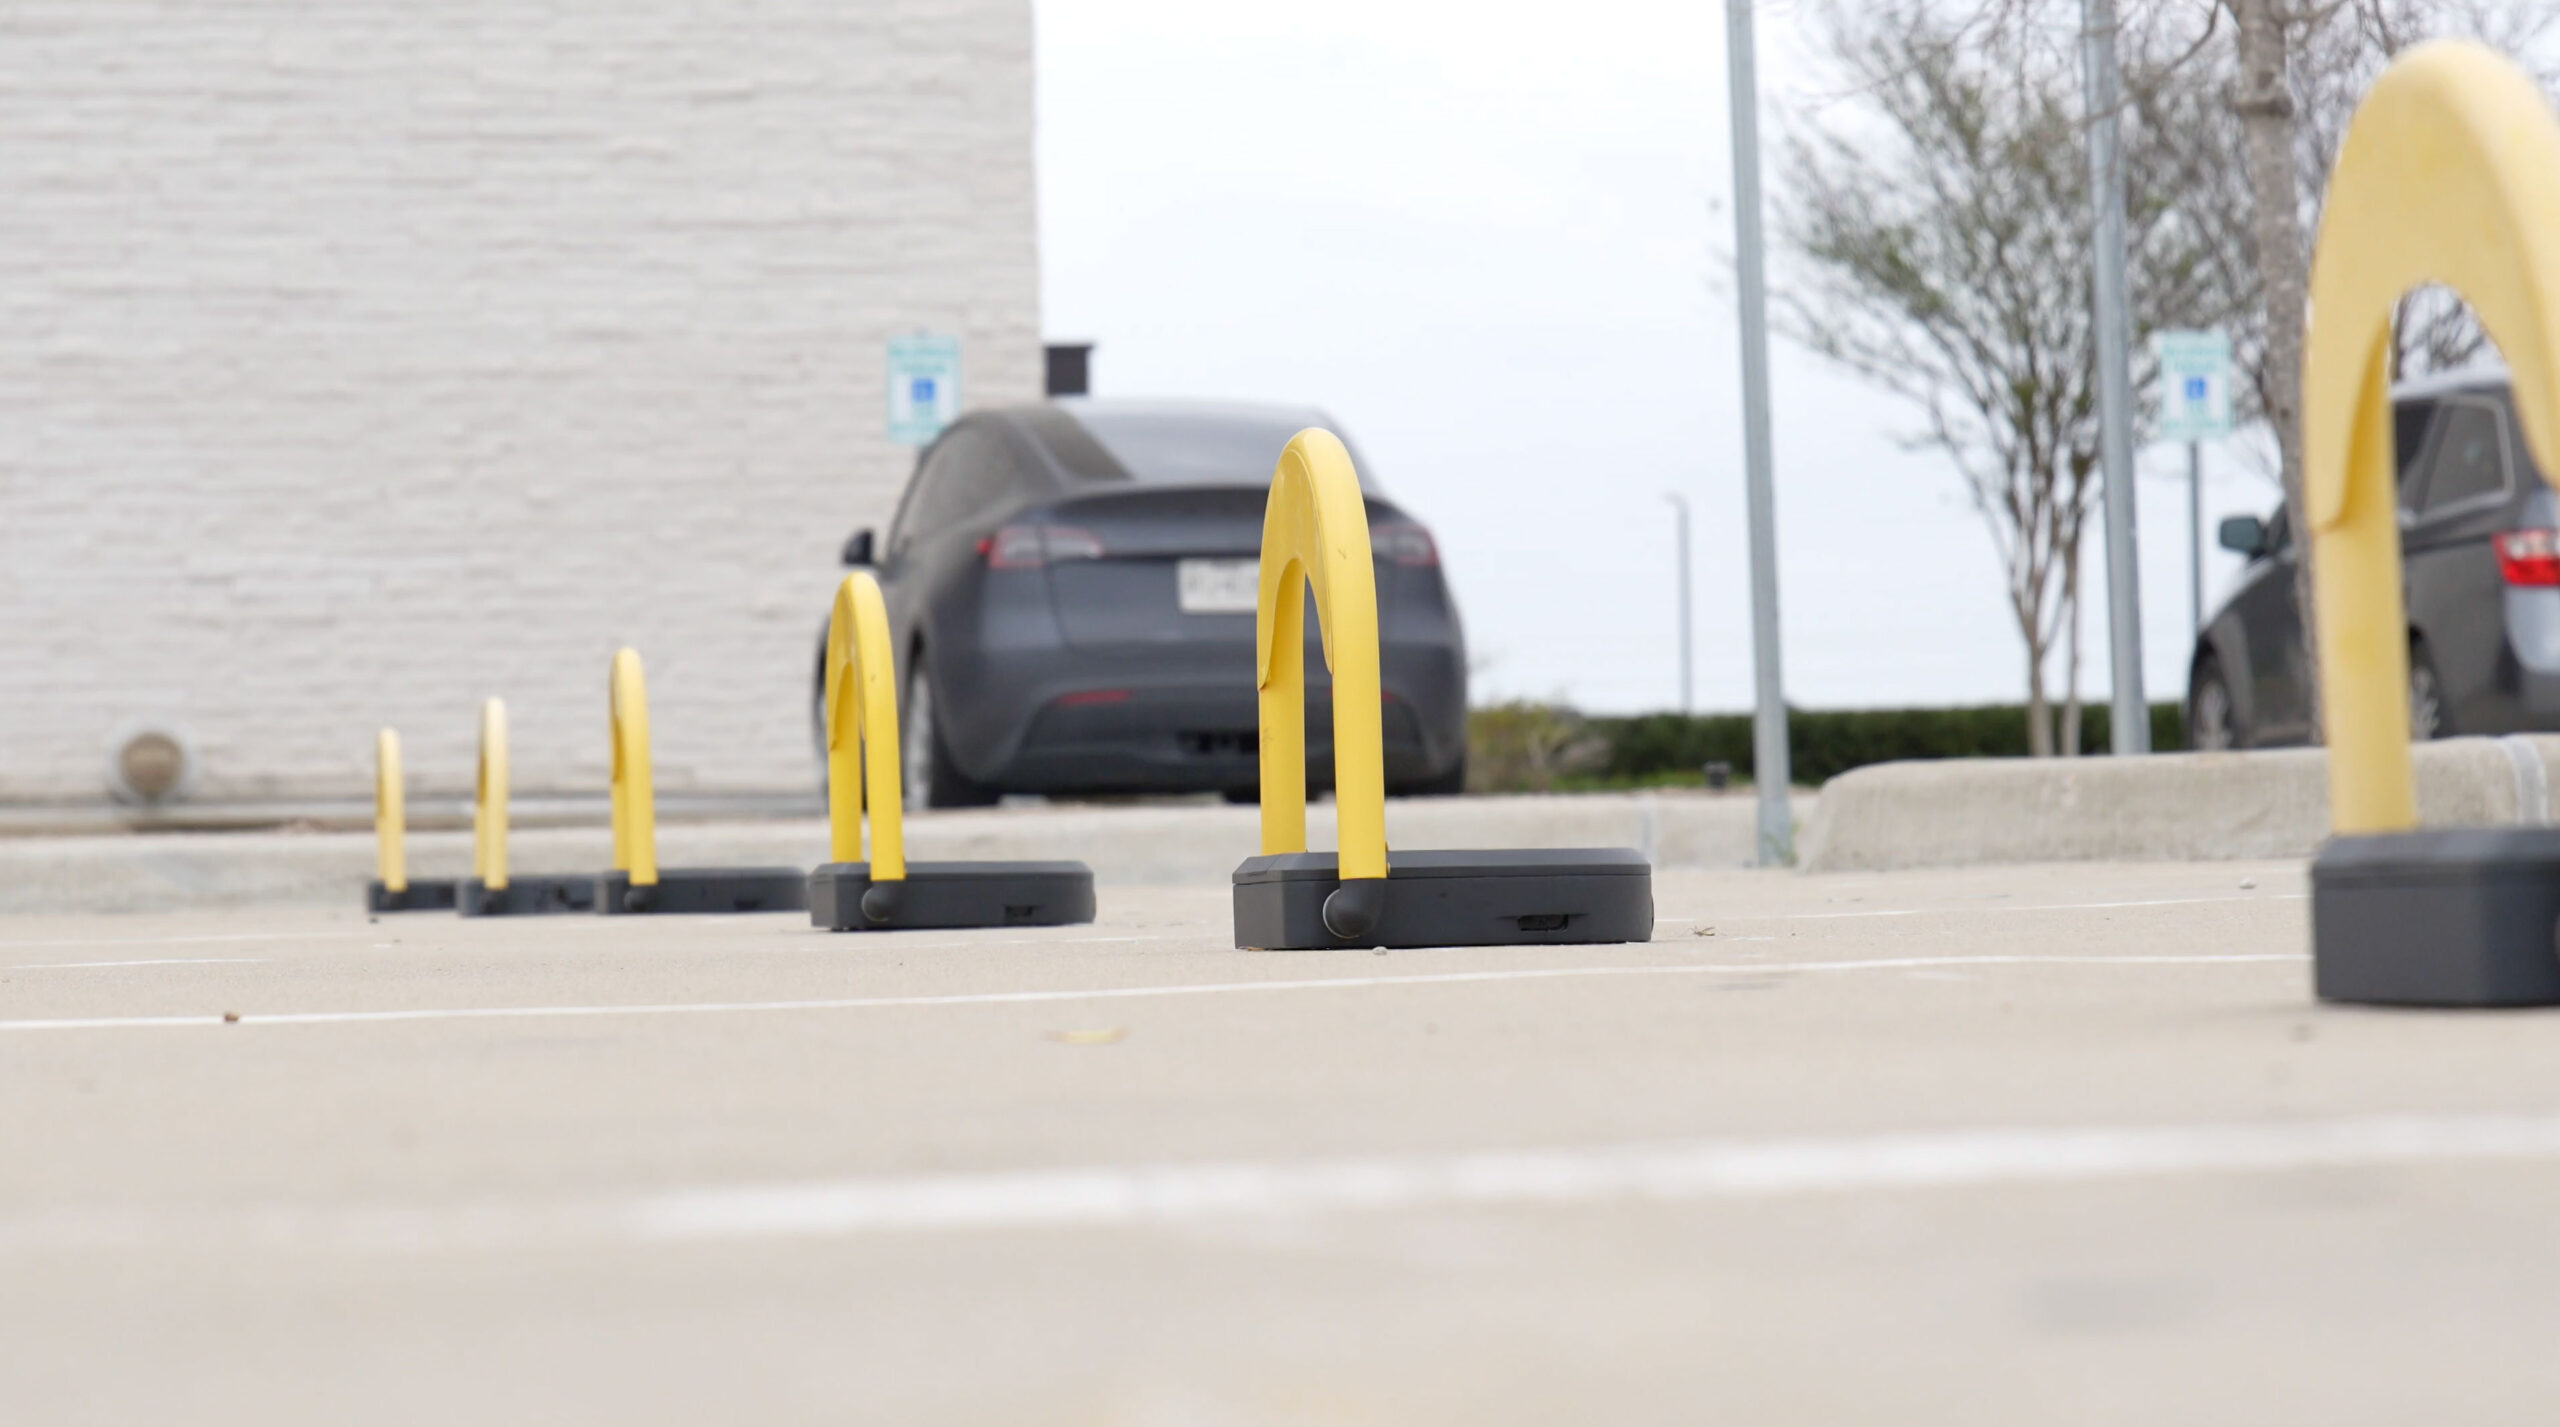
[2071, 746]
[2039, 708]
[2264, 101]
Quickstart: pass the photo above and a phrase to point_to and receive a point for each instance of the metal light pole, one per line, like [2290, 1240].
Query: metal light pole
[2195, 535]
[2131, 724]
[1776, 842]
[1680, 503]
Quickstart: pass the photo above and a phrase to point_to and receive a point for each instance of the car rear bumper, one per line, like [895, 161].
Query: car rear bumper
[1183, 740]
[2532, 654]
[1102, 725]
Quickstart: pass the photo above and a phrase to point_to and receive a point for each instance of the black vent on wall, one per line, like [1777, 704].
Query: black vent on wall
[1070, 368]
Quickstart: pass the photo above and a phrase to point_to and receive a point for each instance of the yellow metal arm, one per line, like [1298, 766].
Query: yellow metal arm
[390, 813]
[862, 730]
[489, 802]
[635, 817]
[1315, 532]
[2450, 173]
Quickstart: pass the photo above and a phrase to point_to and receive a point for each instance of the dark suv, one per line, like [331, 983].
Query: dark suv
[2480, 574]
[1071, 593]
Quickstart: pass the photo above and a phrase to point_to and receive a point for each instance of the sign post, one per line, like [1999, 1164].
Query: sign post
[924, 387]
[1769, 772]
[2195, 407]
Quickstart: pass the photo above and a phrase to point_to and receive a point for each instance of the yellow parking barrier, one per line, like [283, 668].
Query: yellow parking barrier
[1315, 536]
[392, 890]
[862, 731]
[635, 814]
[637, 884]
[490, 891]
[850, 894]
[1315, 533]
[489, 803]
[2450, 173]
[390, 812]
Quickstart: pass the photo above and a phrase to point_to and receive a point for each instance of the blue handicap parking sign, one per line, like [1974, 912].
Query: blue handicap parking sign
[924, 386]
[2198, 388]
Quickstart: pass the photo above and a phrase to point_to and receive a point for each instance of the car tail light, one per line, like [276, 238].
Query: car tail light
[2528, 557]
[1028, 547]
[1403, 543]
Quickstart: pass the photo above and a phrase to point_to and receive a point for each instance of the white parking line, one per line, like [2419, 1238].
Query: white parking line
[152, 961]
[1674, 1173]
[2156, 902]
[14, 945]
[1118, 993]
[1987, 906]
[1139, 1196]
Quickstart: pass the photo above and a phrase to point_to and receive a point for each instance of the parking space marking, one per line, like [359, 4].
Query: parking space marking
[150, 961]
[204, 940]
[1672, 1173]
[1121, 993]
[1141, 1196]
[1979, 906]
[2157, 902]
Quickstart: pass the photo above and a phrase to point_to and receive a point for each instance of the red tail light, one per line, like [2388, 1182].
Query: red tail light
[1403, 543]
[2528, 557]
[1028, 547]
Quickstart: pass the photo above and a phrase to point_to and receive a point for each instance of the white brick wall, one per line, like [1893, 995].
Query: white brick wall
[361, 358]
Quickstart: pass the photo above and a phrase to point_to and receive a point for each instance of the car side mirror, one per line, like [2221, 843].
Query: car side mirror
[2242, 534]
[857, 549]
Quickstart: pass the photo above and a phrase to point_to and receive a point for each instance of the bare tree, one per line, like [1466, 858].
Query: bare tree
[2292, 74]
[1941, 218]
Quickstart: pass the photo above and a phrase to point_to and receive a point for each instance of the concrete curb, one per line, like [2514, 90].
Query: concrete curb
[2174, 806]
[1161, 845]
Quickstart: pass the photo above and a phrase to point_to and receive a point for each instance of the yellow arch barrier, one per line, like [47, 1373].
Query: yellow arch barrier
[1315, 537]
[493, 889]
[635, 813]
[1315, 533]
[849, 894]
[489, 801]
[392, 889]
[2450, 174]
[862, 731]
[390, 814]
[637, 885]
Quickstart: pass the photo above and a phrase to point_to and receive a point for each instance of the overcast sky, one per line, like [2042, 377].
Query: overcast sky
[1488, 238]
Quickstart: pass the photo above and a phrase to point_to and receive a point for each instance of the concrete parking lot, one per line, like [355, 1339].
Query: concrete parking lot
[2066, 1143]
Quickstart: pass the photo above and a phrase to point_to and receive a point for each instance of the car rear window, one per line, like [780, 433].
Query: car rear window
[1181, 449]
[2470, 461]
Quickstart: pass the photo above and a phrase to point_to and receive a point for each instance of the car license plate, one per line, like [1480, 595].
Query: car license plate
[1218, 586]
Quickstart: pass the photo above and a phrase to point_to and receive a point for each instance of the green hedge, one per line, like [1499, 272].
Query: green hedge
[1822, 744]
[1674, 748]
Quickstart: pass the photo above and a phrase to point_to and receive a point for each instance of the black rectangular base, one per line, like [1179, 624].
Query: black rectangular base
[525, 896]
[2455, 917]
[687, 890]
[1574, 895]
[433, 895]
[952, 894]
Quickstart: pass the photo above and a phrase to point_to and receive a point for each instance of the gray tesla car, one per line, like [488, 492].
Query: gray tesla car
[1071, 592]
[2480, 571]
